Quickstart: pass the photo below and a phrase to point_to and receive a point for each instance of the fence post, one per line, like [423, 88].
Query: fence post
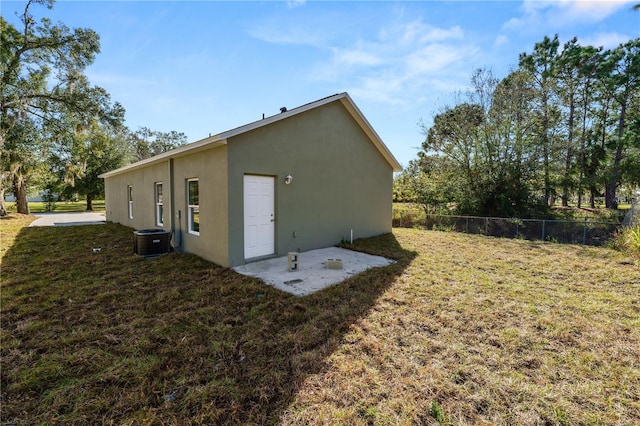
[400, 221]
[486, 226]
[467, 226]
[543, 223]
[584, 232]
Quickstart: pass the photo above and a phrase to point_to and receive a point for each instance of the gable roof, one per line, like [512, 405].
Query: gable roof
[221, 138]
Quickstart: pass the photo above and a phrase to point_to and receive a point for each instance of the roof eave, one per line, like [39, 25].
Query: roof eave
[201, 145]
[371, 133]
[222, 138]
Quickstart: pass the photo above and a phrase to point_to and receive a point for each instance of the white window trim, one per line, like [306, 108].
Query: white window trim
[159, 204]
[130, 200]
[192, 206]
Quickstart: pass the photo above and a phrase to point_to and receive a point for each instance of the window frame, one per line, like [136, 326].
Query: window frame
[159, 200]
[130, 200]
[193, 208]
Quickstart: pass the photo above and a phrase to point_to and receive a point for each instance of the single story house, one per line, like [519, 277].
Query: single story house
[303, 179]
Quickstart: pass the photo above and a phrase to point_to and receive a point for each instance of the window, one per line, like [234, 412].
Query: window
[130, 198]
[159, 204]
[193, 206]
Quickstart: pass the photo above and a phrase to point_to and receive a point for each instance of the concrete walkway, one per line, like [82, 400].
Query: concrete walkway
[312, 274]
[69, 219]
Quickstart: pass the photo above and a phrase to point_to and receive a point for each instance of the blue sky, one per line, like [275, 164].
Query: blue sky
[202, 67]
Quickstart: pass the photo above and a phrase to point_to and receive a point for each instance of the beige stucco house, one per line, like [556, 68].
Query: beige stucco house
[299, 180]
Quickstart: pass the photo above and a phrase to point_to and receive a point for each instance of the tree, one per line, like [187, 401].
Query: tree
[486, 139]
[148, 143]
[569, 77]
[541, 65]
[91, 152]
[622, 84]
[567, 120]
[106, 152]
[588, 63]
[429, 181]
[98, 148]
[44, 90]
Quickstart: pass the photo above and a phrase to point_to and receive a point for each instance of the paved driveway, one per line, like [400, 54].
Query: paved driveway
[69, 219]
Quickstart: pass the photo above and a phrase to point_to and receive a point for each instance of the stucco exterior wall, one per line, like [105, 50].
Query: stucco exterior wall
[144, 206]
[210, 167]
[341, 182]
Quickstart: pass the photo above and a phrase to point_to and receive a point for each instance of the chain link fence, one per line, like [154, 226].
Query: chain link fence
[586, 232]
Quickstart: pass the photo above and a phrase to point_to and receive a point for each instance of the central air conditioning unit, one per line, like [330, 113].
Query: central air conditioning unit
[151, 242]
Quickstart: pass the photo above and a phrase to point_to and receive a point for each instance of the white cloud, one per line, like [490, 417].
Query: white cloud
[514, 24]
[403, 60]
[589, 10]
[272, 32]
[606, 40]
[295, 3]
[433, 58]
[420, 33]
[558, 13]
[391, 65]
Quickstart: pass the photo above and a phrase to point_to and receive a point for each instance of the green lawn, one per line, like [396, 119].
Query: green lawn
[462, 330]
[59, 206]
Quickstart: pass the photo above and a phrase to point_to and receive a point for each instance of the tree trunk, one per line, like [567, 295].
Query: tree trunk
[89, 200]
[568, 158]
[581, 175]
[547, 177]
[610, 200]
[20, 192]
[3, 206]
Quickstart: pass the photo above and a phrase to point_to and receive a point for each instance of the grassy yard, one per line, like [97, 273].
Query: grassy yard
[463, 329]
[59, 206]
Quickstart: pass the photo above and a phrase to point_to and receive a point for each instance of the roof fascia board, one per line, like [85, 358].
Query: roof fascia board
[222, 138]
[275, 118]
[368, 129]
[201, 145]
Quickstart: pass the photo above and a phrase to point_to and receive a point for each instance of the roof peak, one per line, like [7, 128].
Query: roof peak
[221, 138]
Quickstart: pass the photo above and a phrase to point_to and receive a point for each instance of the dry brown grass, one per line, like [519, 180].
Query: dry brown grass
[462, 330]
[489, 331]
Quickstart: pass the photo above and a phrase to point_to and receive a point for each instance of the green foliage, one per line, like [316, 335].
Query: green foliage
[627, 240]
[430, 182]
[437, 412]
[46, 96]
[53, 121]
[565, 124]
[147, 143]
[482, 140]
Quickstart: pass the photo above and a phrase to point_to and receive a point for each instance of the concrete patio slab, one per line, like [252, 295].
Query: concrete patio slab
[312, 274]
[69, 219]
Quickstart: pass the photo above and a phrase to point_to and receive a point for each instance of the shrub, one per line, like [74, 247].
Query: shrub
[627, 240]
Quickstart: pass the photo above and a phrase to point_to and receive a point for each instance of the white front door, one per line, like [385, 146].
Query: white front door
[259, 216]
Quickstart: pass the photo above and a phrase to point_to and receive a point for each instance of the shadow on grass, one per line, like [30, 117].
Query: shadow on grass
[114, 338]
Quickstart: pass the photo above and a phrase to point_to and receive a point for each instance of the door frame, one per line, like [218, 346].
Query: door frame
[273, 213]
